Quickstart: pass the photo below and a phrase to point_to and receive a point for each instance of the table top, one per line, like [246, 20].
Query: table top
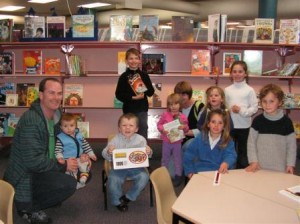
[241, 197]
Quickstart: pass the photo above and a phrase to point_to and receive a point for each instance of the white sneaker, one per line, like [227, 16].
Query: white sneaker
[83, 179]
[79, 185]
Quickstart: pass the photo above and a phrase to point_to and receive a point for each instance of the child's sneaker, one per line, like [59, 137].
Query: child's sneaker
[79, 185]
[35, 217]
[83, 179]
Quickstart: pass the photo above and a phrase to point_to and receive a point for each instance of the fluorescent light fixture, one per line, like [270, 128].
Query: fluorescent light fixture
[94, 5]
[165, 27]
[42, 1]
[11, 8]
[233, 23]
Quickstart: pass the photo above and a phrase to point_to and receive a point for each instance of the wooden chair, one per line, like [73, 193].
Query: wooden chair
[164, 194]
[7, 193]
[107, 166]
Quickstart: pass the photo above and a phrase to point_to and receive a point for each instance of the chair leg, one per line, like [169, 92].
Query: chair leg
[151, 193]
[104, 189]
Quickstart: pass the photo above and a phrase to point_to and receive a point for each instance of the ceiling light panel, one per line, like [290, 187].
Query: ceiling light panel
[41, 1]
[11, 8]
[94, 5]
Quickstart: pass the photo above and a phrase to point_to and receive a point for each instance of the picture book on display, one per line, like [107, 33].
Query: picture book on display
[7, 63]
[264, 30]
[254, 60]
[200, 62]
[11, 125]
[289, 31]
[148, 26]
[6, 88]
[121, 62]
[34, 27]
[83, 25]
[6, 27]
[32, 62]
[11, 99]
[56, 26]
[183, 28]
[199, 95]
[84, 127]
[32, 95]
[120, 28]
[73, 94]
[228, 59]
[4, 123]
[154, 63]
[52, 66]
[21, 90]
[297, 129]
[137, 84]
[155, 100]
[217, 28]
[289, 69]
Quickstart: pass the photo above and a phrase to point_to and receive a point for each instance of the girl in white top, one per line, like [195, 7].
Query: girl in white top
[242, 101]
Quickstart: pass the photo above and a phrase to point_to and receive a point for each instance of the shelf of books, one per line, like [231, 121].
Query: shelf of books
[90, 88]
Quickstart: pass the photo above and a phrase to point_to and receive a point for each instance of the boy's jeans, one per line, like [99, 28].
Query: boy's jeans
[116, 179]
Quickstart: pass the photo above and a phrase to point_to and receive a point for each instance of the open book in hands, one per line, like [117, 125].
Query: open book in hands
[175, 134]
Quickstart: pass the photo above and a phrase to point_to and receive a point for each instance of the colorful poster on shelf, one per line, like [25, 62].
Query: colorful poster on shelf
[32, 62]
[148, 26]
[56, 26]
[7, 63]
[228, 59]
[200, 64]
[6, 27]
[183, 28]
[264, 30]
[121, 28]
[52, 66]
[73, 94]
[34, 27]
[83, 25]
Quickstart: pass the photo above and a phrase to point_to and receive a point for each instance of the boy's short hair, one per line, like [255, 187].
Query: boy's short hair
[132, 51]
[128, 116]
[271, 88]
[184, 87]
[68, 117]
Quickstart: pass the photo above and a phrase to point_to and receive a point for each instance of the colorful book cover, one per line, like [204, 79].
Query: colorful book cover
[121, 62]
[56, 26]
[297, 100]
[254, 60]
[183, 28]
[137, 84]
[34, 27]
[83, 25]
[228, 59]
[264, 30]
[73, 94]
[84, 127]
[121, 28]
[289, 31]
[214, 28]
[32, 62]
[200, 62]
[4, 123]
[174, 134]
[6, 27]
[52, 66]
[7, 63]
[289, 69]
[11, 99]
[6, 88]
[154, 63]
[297, 129]
[148, 26]
[22, 89]
[11, 125]
[199, 95]
[32, 95]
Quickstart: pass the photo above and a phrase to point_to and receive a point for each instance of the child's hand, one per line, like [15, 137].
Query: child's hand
[61, 161]
[94, 157]
[181, 127]
[110, 149]
[148, 150]
[253, 167]
[235, 109]
[223, 168]
[290, 169]
[84, 158]
[165, 132]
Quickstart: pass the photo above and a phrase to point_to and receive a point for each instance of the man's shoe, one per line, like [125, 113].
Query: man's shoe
[124, 200]
[122, 207]
[39, 217]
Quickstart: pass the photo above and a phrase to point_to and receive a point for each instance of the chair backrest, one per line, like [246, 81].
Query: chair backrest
[164, 194]
[7, 193]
